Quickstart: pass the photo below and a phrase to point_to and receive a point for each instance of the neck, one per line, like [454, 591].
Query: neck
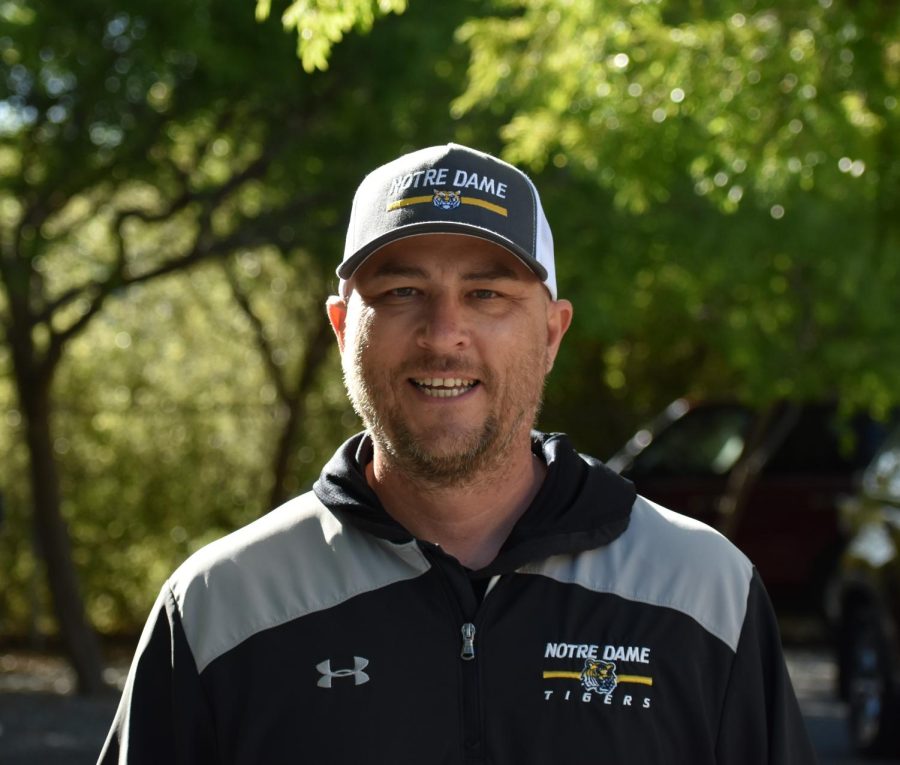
[470, 521]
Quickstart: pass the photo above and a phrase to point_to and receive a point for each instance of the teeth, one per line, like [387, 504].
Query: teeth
[444, 387]
[444, 392]
[443, 382]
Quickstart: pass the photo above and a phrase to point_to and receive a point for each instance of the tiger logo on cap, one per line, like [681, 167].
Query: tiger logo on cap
[446, 200]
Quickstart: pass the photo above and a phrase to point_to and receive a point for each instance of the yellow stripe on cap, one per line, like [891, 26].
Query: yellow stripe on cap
[463, 200]
[485, 204]
[409, 201]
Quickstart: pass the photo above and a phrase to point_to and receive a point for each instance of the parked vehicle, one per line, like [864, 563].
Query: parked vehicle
[769, 479]
[865, 604]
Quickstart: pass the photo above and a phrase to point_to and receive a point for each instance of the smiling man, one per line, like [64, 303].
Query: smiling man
[446, 340]
[458, 588]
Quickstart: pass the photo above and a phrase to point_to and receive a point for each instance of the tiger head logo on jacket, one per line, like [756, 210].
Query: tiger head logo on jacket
[599, 676]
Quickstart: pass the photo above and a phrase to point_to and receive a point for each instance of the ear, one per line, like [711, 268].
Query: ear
[559, 318]
[336, 308]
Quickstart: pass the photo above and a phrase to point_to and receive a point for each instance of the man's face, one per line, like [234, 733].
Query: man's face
[446, 341]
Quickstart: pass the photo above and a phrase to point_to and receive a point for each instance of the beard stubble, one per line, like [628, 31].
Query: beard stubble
[465, 454]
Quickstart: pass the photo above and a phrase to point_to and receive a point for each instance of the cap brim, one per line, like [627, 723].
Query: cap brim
[349, 266]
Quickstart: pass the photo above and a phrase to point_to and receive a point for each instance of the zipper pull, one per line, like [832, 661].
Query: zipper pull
[468, 645]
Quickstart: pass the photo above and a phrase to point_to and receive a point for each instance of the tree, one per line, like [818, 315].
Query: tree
[115, 127]
[780, 118]
[292, 386]
[750, 150]
[724, 183]
[139, 142]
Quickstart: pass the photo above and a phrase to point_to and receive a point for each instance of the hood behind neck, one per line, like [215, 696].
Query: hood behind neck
[581, 504]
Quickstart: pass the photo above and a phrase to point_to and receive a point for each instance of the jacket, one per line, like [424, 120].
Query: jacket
[607, 629]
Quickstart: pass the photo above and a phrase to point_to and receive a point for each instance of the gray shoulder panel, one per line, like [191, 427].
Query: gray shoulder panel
[669, 560]
[296, 560]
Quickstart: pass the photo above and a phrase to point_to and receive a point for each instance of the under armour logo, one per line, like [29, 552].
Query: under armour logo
[359, 677]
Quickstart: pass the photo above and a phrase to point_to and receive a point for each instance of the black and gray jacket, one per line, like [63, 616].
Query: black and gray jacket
[608, 629]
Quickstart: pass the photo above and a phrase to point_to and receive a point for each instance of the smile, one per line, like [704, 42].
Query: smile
[444, 387]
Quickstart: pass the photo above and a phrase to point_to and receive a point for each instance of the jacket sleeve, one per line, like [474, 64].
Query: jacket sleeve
[761, 720]
[163, 716]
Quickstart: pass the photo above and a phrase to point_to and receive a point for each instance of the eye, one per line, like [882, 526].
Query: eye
[403, 292]
[483, 294]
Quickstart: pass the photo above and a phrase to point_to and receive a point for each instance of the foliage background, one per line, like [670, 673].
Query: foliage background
[722, 180]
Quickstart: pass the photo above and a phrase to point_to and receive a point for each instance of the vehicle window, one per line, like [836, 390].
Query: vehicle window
[704, 442]
[882, 478]
[822, 442]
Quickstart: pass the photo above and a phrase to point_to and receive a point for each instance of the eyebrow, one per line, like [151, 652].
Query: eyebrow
[492, 273]
[408, 271]
[399, 269]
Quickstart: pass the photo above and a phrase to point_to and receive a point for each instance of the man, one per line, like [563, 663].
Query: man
[457, 588]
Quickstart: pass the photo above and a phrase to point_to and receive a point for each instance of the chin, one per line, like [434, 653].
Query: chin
[450, 442]
[447, 456]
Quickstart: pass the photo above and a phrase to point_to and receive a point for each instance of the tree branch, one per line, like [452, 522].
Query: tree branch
[209, 199]
[203, 249]
[259, 333]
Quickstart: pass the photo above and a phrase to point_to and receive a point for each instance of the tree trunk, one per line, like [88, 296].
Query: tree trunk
[316, 351]
[78, 636]
[768, 435]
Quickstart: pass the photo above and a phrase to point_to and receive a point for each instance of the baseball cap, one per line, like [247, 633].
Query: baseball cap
[449, 189]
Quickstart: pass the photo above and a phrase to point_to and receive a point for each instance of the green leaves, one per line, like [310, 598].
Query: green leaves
[750, 98]
[749, 153]
[320, 24]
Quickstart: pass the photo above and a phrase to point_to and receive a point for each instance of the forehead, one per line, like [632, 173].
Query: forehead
[444, 257]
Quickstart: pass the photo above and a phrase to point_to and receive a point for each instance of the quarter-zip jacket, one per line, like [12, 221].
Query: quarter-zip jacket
[607, 629]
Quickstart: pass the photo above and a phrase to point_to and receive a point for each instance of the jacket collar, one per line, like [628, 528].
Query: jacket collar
[582, 504]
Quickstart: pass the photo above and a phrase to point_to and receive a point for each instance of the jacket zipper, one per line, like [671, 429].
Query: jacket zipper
[453, 577]
[468, 644]
[470, 672]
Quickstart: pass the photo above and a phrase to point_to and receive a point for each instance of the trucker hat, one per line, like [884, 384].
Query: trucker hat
[449, 189]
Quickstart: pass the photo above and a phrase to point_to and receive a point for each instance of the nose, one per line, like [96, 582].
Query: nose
[444, 328]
